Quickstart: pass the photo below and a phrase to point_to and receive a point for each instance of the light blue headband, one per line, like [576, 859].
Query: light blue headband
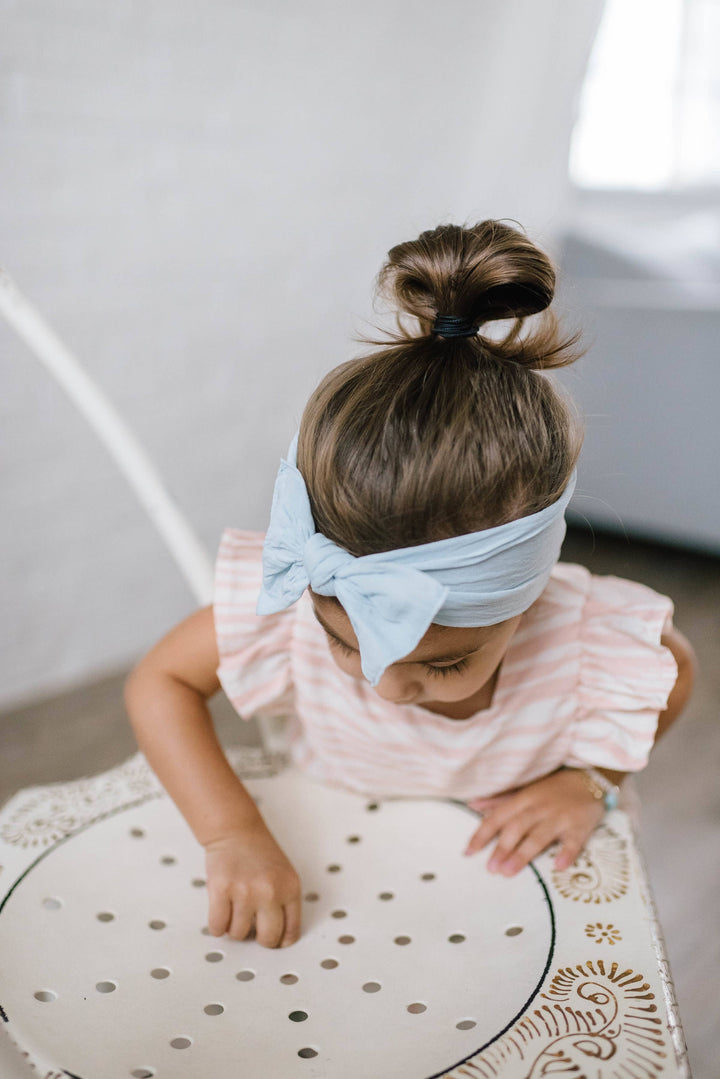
[391, 598]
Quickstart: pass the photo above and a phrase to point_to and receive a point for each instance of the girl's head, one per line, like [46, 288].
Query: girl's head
[432, 437]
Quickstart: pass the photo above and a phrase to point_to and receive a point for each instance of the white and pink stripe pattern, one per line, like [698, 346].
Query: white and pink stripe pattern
[581, 684]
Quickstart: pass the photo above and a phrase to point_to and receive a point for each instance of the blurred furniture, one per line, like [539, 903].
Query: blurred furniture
[643, 271]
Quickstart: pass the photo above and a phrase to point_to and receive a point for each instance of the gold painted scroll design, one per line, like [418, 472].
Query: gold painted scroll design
[601, 872]
[41, 816]
[596, 1019]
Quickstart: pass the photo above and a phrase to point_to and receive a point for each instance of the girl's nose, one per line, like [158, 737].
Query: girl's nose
[398, 686]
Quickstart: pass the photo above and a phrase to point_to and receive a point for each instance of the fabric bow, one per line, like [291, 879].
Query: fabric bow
[391, 598]
[390, 605]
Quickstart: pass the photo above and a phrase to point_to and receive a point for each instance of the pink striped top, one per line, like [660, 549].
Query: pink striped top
[582, 683]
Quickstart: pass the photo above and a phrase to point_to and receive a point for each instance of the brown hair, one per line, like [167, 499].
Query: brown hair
[431, 437]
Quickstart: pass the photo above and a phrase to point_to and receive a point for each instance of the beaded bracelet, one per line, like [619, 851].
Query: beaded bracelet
[600, 787]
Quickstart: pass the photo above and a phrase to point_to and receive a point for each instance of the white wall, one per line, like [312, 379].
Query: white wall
[198, 194]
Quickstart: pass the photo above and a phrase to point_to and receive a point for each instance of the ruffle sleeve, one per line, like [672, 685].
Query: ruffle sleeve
[254, 650]
[625, 675]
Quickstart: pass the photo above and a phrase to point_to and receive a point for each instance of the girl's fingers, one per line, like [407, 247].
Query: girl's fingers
[482, 836]
[510, 838]
[532, 844]
[492, 825]
[481, 804]
[219, 912]
[292, 923]
[270, 925]
[569, 852]
[242, 920]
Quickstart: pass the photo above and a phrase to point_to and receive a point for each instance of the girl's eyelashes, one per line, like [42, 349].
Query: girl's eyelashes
[454, 668]
[335, 642]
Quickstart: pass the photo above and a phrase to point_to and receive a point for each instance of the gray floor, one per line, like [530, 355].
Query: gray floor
[86, 732]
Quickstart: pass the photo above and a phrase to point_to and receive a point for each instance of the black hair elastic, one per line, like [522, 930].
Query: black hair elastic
[454, 326]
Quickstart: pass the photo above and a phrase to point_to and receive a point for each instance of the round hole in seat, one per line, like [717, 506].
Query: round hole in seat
[466, 1024]
[417, 1008]
[181, 1043]
[307, 1052]
[298, 1017]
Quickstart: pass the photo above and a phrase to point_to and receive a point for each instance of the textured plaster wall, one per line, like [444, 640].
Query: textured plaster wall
[198, 196]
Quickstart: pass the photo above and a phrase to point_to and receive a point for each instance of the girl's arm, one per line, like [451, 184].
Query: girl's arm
[249, 878]
[560, 807]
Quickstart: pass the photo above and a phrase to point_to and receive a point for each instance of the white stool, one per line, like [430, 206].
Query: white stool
[414, 962]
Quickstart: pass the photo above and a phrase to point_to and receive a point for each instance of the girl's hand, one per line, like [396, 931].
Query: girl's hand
[251, 882]
[556, 808]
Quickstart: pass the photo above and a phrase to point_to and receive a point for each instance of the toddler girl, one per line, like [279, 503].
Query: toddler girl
[408, 610]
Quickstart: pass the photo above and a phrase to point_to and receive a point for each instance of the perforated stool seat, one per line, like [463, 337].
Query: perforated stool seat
[414, 960]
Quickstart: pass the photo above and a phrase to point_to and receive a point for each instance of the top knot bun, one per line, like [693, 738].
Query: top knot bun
[430, 436]
[484, 273]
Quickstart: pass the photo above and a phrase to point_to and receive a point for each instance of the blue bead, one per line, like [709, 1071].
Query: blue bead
[611, 800]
